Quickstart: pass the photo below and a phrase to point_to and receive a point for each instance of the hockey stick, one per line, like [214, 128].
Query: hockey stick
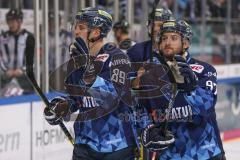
[170, 75]
[29, 51]
[162, 59]
[152, 29]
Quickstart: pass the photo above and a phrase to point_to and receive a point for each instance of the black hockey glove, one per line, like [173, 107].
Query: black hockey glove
[156, 139]
[190, 79]
[82, 60]
[58, 109]
[79, 53]
[78, 47]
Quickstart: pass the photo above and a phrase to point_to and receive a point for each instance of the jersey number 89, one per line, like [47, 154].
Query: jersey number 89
[118, 76]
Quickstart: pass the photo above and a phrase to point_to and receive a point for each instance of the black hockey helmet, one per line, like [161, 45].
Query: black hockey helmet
[187, 31]
[14, 14]
[123, 25]
[175, 26]
[160, 14]
[96, 17]
[51, 15]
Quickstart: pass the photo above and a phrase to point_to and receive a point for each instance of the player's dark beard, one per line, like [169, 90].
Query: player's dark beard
[171, 57]
[168, 56]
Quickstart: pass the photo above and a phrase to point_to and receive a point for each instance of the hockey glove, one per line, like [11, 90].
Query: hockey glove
[78, 47]
[190, 79]
[79, 53]
[156, 139]
[58, 109]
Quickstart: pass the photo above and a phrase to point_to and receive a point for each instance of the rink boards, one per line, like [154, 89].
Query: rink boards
[24, 134]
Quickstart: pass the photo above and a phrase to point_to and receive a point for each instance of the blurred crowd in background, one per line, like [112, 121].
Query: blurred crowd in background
[215, 24]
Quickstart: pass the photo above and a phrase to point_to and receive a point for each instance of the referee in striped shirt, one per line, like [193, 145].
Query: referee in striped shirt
[12, 52]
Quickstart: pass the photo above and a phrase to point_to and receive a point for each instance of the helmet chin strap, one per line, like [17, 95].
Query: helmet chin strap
[91, 40]
[181, 53]
[183, 49]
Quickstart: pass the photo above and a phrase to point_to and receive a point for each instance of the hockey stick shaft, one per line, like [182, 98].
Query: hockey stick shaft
[152, 29]
[170, 74]
[170, 104]
[29, 51]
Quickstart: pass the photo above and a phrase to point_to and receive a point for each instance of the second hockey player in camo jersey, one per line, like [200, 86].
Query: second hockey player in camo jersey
[193, 118]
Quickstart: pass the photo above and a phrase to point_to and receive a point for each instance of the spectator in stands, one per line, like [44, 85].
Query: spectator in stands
[235, 8]
[178, 7]
[218, 8]
[12, 58]
[65, 39]
[190, 10]
[195, 9]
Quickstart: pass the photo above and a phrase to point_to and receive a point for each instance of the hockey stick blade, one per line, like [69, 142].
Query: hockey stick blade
[29, 51]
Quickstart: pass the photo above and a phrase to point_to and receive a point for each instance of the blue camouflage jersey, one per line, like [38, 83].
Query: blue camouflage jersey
[110, 132]
[192, 119]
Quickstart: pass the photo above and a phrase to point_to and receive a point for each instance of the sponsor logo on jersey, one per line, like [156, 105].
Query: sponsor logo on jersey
[181, 113]
[197, 68]
[102, 57]
[89, 102]
[121, 61]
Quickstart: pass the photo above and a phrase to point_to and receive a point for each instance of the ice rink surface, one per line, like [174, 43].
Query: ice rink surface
[232, 149]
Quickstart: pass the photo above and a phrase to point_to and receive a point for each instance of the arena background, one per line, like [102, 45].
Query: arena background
[24, 134]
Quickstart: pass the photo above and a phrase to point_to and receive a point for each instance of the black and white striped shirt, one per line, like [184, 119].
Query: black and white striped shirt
[12, 50]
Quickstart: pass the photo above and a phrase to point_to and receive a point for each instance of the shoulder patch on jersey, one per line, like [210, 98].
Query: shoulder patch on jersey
[197, 68]
[102, 57]
[109, 46]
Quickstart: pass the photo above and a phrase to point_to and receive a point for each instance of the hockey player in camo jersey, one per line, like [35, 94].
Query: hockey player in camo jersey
[192, 118]
[108, 136]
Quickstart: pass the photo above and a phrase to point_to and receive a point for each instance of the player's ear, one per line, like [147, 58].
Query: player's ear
[96, 32]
